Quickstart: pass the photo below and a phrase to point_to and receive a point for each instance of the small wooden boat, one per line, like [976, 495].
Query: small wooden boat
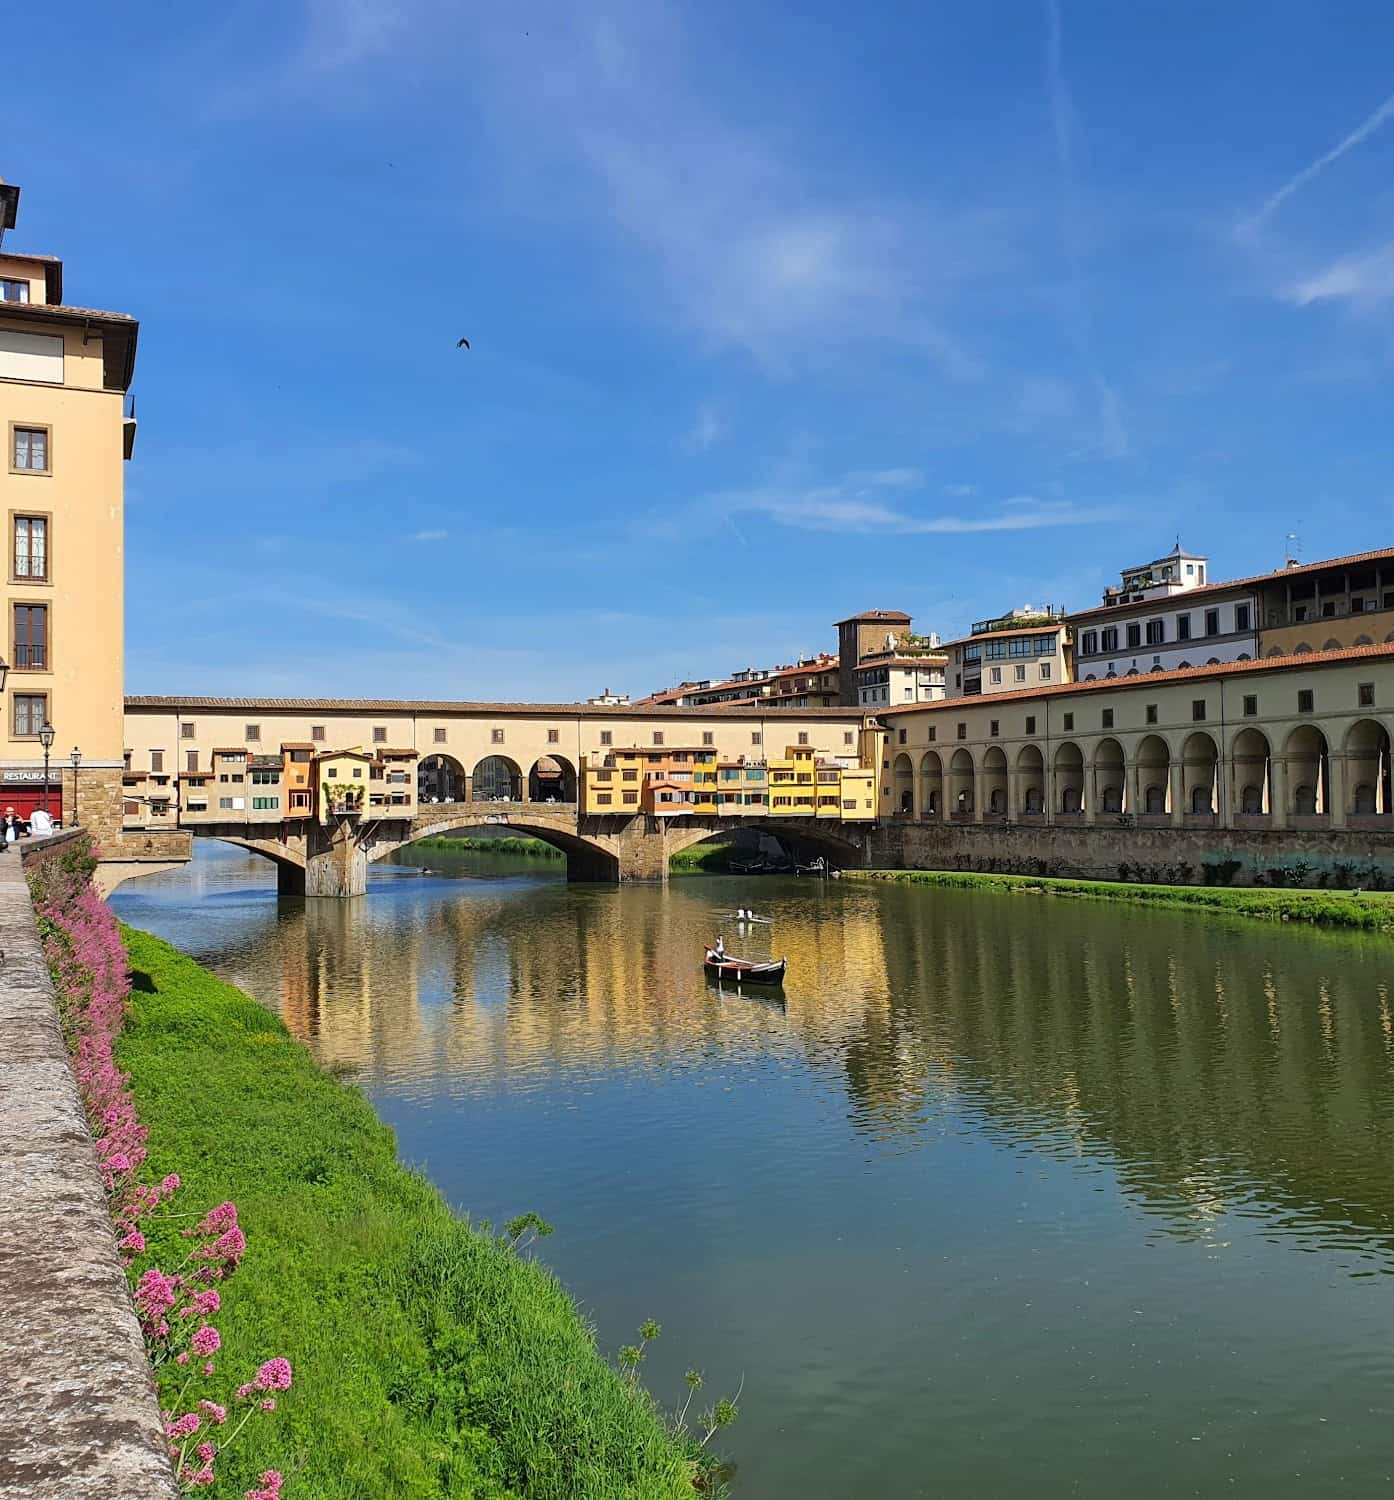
[743, 971]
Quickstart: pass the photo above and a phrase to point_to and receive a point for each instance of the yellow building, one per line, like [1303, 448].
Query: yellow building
[64, 375]
[794, 782]
[857, 789]
[342, 777]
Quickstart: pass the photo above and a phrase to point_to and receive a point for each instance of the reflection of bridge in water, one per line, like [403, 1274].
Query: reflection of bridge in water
[1215, 1070]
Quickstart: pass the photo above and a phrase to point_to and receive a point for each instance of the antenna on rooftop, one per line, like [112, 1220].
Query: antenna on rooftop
[1292, 547]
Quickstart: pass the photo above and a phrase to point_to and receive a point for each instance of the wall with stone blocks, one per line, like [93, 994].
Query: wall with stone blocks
[78, 1414]
[1171, 856]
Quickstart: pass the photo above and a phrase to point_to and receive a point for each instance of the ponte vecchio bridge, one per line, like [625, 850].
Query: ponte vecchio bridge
[227, 768]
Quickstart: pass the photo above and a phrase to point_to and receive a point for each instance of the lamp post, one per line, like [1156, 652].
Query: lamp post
[46, 740]
[76, 758]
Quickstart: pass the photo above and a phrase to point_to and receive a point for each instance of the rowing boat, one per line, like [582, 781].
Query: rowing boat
[743, 970]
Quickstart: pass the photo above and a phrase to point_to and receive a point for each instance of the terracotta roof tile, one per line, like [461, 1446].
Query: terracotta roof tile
[1187, 674]
[61, 310]
[429, 707]
[1384, 554]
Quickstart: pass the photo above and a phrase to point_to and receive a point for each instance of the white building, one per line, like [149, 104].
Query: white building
[1164, 616]
[890, 678]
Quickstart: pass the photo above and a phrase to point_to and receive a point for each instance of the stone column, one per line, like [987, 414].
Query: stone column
[1176, 772]
[978, 809]
[1278, 791]
[290, 880]
[1013, 794]
[1089, 792]
[1336, 790]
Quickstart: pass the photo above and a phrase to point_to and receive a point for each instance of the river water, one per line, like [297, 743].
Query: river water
[1013, 1197]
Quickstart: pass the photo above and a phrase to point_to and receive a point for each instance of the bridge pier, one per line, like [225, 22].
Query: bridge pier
[290, 880]
[336, 863]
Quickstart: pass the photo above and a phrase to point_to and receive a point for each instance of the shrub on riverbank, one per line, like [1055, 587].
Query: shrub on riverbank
[711, 858]
[521, 848]
[1370, 913]
[430, 1359]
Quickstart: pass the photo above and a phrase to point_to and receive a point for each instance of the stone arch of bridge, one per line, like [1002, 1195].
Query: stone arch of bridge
[833, 841]
[287, 856]
[589, 856]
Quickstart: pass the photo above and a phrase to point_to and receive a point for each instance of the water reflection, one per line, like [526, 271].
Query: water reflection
[1008, 1199]
[1214, 1067]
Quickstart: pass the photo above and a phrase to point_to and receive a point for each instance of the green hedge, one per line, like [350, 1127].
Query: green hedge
[430, 1360]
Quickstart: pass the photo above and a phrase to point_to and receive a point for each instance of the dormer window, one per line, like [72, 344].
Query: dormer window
[13, 291]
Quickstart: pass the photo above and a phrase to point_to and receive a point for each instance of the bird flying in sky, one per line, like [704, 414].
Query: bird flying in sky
[463, 344]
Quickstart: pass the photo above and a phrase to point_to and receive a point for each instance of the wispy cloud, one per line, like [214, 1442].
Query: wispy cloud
[430, 534]
[1362, 132]
[708, 428]
[749, 247]
[1365, 281]
[860, 503]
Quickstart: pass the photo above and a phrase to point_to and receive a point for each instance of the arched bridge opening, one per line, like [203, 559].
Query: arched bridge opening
[589, 858]
[799, 843]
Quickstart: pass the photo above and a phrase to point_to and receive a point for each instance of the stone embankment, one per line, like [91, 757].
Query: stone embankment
[78, 1414]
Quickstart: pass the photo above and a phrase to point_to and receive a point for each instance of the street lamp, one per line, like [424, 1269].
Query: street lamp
[76, 758]
[46, 740]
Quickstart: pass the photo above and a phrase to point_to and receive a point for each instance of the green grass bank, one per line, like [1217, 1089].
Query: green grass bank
[521, 848]
[1365, 912]
[705, 859]
[430, 1359]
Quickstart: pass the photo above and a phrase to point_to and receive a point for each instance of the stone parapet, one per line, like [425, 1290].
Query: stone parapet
[78, 1413]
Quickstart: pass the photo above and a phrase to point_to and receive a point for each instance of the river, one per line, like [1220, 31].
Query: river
[1014, 1197]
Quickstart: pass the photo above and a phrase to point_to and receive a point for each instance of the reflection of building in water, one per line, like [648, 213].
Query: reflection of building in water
[1207, 1067]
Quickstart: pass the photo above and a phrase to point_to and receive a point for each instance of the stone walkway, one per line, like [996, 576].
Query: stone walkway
[78, 1415]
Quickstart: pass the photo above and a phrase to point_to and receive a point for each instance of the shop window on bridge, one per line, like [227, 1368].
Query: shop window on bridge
[266, 804]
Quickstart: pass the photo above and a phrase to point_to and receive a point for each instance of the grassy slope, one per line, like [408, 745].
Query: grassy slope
[428, 1360]
[1327, 908]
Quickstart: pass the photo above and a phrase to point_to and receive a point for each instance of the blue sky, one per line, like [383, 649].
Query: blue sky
[777, 311]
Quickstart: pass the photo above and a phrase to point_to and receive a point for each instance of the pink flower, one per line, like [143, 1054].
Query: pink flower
[215, 1413]
[274, 1375]
[270, 1487]
[134, 1242]
[206, 1341]
[206, 1451]
[243, 1391]
[208, 1368]
[171, 1183]
[269, 1404]
[118, 1162]
[216, 1220]
[199, 1478]
[182, 1358]
[184, 1427]
[205, 1304]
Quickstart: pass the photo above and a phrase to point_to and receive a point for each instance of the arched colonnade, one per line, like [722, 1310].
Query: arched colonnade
[1241, 778]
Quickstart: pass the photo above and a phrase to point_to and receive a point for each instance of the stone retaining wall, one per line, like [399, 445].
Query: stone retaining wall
[78, 1414]
[1166, 856]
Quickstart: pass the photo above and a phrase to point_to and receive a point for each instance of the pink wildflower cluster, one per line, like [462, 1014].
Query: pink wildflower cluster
[88, 962]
